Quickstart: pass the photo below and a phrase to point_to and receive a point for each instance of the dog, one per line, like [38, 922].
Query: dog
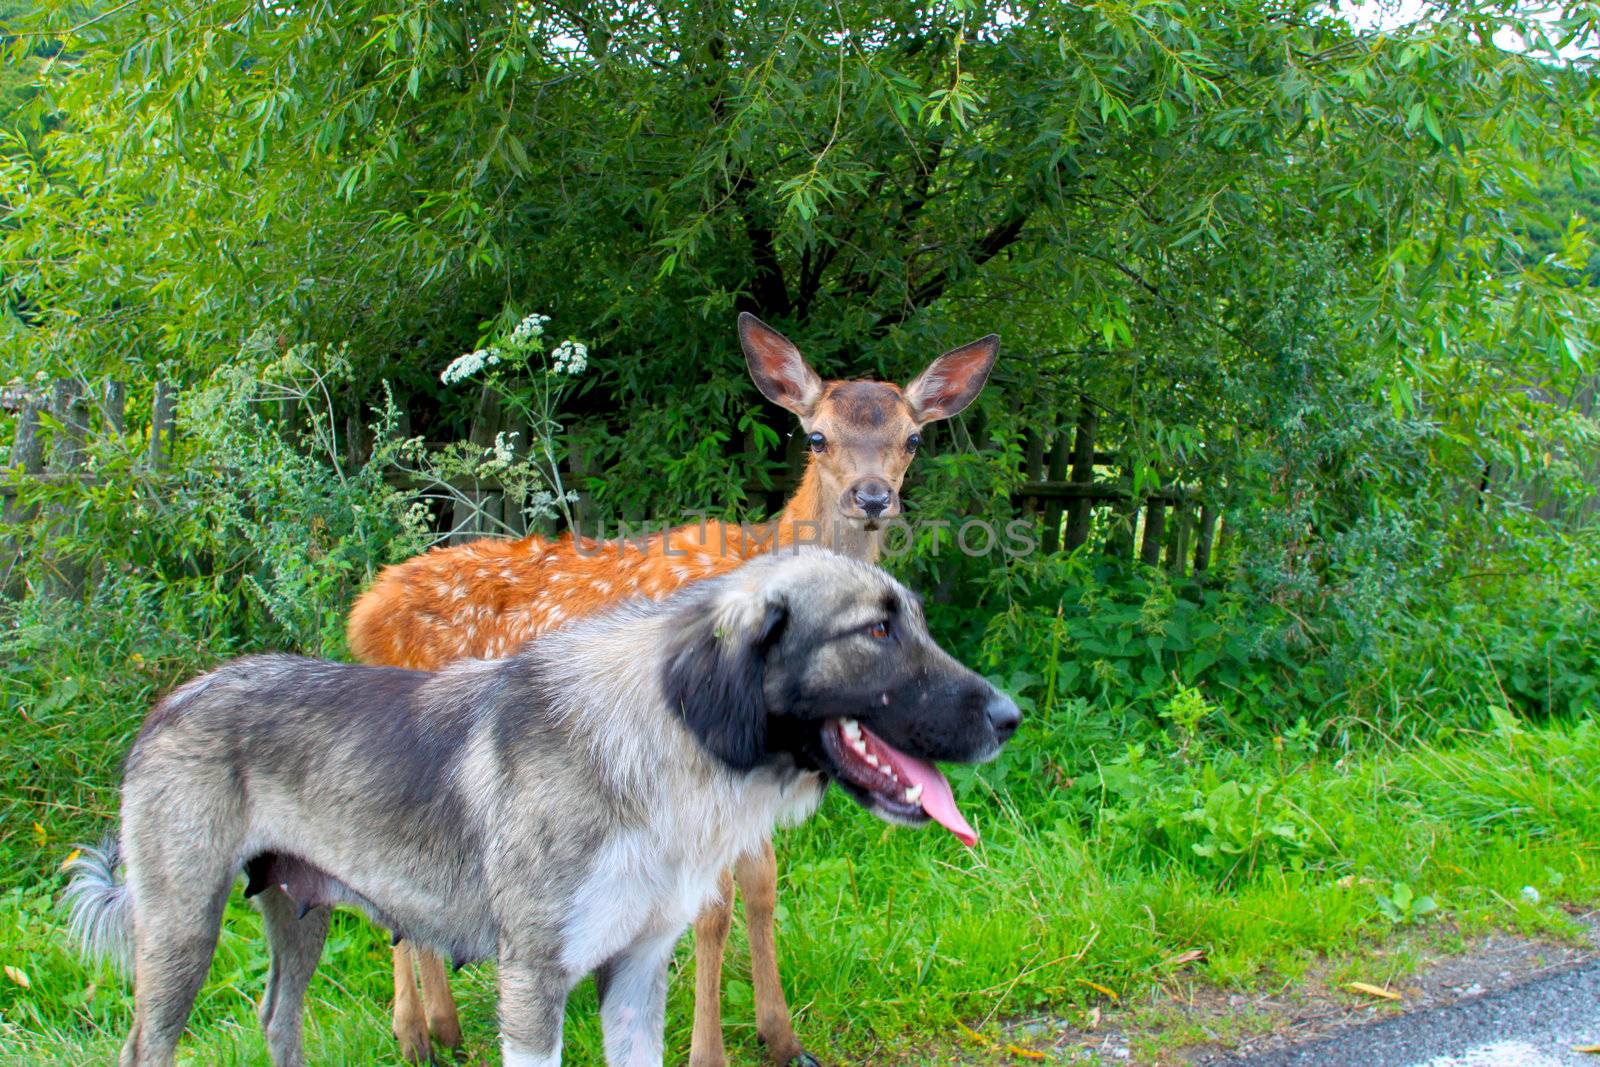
[564, 811]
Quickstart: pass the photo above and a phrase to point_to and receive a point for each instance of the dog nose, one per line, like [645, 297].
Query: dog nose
[872, 497]
[1003, 716]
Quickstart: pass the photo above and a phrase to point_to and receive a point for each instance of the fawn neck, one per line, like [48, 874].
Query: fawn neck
[807, 520]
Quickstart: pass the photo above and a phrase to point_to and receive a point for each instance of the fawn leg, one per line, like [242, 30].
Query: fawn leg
[758, 881]
[710, 940]
[410, 1028]
[437, 1003]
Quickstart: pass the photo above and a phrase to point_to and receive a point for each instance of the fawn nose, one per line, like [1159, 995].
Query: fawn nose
[1003, 716]
[872, 496]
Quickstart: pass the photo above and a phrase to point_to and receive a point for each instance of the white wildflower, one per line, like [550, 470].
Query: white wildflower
[541, 503]
[464, 366]
[569, 357]
[529, 330]
[499, 456]
[416, 516]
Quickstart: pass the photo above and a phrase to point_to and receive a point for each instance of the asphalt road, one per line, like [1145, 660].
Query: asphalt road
[1536, 1024]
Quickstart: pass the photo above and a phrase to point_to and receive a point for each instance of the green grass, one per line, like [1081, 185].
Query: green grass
[889, 937]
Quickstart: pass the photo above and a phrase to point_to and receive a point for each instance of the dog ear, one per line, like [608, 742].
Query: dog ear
[714, 677]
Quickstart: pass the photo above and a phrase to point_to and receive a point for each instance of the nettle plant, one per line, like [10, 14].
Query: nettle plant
[528, 380]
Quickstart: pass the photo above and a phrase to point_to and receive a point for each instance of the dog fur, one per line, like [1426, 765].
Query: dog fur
[564, 811]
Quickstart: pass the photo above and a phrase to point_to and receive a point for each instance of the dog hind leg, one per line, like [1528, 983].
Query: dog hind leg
[758, 882]
[175, 936]
[710, 943]
[296, 946]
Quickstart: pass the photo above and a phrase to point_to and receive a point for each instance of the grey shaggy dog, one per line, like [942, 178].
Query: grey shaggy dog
[564, 811]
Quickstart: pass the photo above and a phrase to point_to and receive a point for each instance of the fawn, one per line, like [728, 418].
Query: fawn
[485, 598]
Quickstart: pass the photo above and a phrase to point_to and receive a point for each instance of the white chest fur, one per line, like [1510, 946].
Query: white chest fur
[652, 880]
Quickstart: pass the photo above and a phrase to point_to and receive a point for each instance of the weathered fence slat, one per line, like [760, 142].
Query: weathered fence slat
[163, 412]
[478, 511]
[114, 406]
[27, 459]
[1081, 511]
[1155, 528]
[1033, 446]
[1202, 541]
[70, 412]
[1103, 492]
[1178, 540]
[1055, 471]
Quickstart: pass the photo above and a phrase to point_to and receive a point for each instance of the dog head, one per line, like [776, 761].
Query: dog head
[825, 662]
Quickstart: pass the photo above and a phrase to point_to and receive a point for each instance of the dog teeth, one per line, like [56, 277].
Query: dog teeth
[872, 761]
[851, 729]
[913, 795]
[861, 747]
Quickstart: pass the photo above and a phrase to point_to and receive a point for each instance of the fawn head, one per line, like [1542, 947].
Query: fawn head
[862, 435]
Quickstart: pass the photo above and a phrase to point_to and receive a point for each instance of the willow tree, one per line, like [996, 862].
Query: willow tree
[1141, 197]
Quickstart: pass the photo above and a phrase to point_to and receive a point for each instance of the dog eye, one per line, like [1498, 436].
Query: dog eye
[819, 443]
[878, 630]
[913, 442]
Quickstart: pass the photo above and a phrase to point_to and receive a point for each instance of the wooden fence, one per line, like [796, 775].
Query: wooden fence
[1070, 486]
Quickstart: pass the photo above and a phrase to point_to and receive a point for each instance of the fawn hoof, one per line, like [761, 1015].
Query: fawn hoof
[414, 1045]
[802, 1059]
[447, 1032]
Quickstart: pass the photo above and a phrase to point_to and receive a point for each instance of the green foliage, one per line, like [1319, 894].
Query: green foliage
[1328, 281]
[260, 535]
[1402, 907]
[1163, 206]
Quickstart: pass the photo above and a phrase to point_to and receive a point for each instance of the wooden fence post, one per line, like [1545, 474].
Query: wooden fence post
[1155, 528]
[1124, 521]
[162, 420]
[1033, 466]
[1202, 542]
[358, 439]
[114, 406]
[1056, 471]
[1081, 512]
[519, 432]
[582, 464]
[27, 453]
[477, 509]
[27, 460]
[68, 409]
[1178, 543]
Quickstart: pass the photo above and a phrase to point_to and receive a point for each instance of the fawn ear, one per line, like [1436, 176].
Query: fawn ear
[715, 671]
[952, 381]
[778, 368]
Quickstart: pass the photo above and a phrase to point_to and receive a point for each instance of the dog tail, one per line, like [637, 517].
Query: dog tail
[101, 905]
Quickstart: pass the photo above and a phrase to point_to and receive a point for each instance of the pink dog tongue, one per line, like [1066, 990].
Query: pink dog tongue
[937, 800]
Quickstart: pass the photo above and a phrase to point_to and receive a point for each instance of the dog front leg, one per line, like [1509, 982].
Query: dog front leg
[533, 996]
[633, 1003]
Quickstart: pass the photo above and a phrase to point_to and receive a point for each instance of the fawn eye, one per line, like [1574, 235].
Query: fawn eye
[819, 443]
[913, 442]
[878, 630]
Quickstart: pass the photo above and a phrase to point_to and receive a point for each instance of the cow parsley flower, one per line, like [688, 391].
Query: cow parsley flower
[529, 330]
[569, 357]
[466, 365]
[499, 456]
